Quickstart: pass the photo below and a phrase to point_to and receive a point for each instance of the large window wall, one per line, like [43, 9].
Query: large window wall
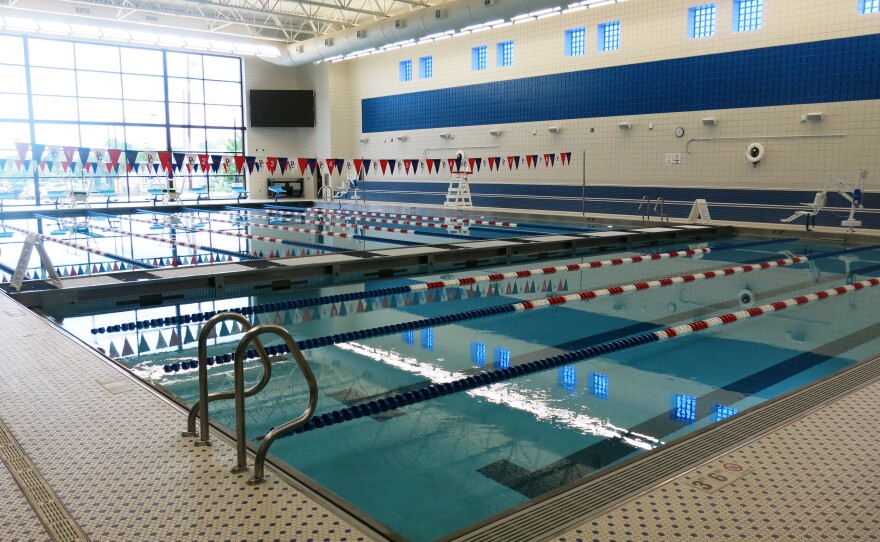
[60, 95]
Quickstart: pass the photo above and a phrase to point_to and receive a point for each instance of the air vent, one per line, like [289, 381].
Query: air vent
[439, 14]
[489, 3]
[79, 9]
[361, 34]
[152, 18]
[399, 23]
[299, 49]
[328, 42]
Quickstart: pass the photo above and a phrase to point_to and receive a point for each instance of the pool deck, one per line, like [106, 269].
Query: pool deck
[92, 454]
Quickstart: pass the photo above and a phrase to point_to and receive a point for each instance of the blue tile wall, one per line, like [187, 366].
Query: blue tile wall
[823, 71]
[740, 205]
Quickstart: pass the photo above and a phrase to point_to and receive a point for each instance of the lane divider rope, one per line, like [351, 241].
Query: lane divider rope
[409, 288]
[432, 391]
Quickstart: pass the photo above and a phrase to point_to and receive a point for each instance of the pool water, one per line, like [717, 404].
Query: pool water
[430, 468]
[98, 242]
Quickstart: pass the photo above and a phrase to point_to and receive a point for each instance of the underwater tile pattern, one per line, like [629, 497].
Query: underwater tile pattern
[117, 461]
[817, 478]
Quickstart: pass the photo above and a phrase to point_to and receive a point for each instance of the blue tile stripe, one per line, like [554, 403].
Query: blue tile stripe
[741, 205]
[824, 71]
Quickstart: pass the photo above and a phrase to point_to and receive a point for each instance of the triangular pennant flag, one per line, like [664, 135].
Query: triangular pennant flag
[165, 160]
[452, 165]
[84, 154]
[367, 163]
[391, 164]
[565, 158]
[415, 165]
[312, 163]
[471, 163]
[22, 149]
[224, 329]
[114, 155]
[330, 164]
[436, 165]
[288, 319]
[339, 163]
[491, 163]
[161, 342]
[549, 160]
[283, 163]
[131, 158]
[406, 165]
[251, 160]
[239, 162]
[188, 336]
[37, 152]
[384, 164]
[430, 165]
[126, 348]
[236, 328]
[114, 353]
[178, 157]
[271, 164]
[357, 165]
[528, 161]
[143, 346]
[342, 310]
[303, 162]
[175, 339]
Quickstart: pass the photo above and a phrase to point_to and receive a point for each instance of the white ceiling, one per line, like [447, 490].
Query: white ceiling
[281, 21]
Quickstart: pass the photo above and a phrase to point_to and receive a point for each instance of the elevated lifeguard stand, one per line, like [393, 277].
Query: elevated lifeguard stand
[459, 192]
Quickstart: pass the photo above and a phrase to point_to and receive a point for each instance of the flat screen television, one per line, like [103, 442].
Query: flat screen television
[282, 108]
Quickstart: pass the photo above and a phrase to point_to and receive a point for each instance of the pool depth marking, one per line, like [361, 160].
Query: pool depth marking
[464, 281]
[438, 390]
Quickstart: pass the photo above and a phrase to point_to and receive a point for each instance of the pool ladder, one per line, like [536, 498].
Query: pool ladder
[659, 209]
[200, 408]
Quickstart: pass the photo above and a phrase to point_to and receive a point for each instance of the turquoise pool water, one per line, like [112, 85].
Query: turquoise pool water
[430, 468]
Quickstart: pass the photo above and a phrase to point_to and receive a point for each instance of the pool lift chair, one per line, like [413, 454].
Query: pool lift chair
[852, 195]
[78, 191]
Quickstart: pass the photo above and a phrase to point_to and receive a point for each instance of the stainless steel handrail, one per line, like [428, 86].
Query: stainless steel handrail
[200, 407]
[259, 461]
[646, 203]
[660, 210]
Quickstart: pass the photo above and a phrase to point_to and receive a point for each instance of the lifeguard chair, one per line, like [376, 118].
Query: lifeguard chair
[78, 191]
[459, 192]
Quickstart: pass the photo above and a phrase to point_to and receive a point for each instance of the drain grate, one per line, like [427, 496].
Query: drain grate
[55, 518]
[572, 507]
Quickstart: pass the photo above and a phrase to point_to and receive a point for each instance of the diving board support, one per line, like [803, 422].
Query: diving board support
[699, 212]
[33, 240]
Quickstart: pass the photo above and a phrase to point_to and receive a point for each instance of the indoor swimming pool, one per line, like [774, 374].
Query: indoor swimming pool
[100, 241]
[447, 399]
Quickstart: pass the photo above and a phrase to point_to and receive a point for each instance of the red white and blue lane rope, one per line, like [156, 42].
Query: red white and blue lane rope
[661, 283]
[249, 236]
[420, 217]
[753, 312]
[420, 224]
[408, 288]
[344, 225]
[307, 344]
[99, 252]
[432, 391]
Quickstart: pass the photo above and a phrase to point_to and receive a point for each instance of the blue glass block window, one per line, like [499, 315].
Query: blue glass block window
[426, 67]
[575, 40]
[748, 15]
[599, 385]
[720, 412]
[501, 358]
[478, 353]
[409, 337]
[684, 407]
[701, 21]
[428, 339]
[568, 377]
[406, 70]
[869, 6]
[609, 36]
[505, 54]
[479, 58]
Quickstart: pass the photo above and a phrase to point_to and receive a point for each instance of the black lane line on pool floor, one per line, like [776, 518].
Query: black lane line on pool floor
[586, 461]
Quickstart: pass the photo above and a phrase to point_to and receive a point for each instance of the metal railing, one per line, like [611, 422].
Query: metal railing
[200, 407]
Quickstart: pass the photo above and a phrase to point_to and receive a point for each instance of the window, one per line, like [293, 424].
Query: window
[479, 58]
[574, 41]
[406, 70]
[426, 67]
[869, 6]
[609, 36]
[701, 21]
[749, 15]
[505, 53]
